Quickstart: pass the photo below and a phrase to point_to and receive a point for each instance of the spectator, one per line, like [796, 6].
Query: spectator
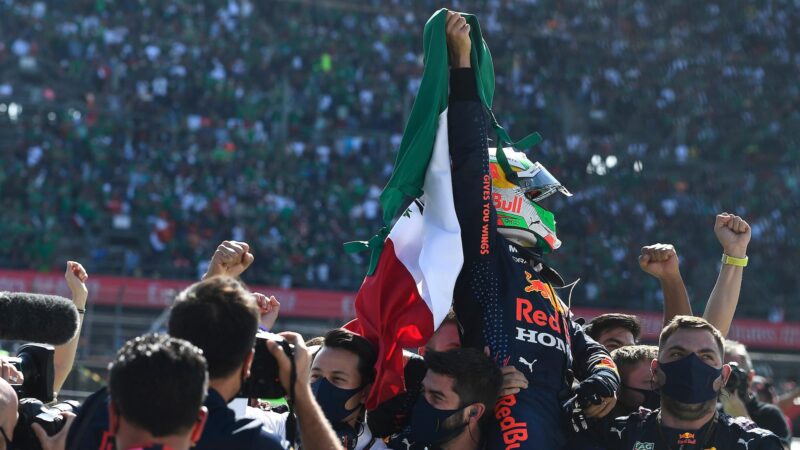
[460, 390]
[741, 401]
[136, 113]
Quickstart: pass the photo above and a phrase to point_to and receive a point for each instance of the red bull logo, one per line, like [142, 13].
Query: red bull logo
[514, 206]
[527, 313]
[514, 432]
[686, 439]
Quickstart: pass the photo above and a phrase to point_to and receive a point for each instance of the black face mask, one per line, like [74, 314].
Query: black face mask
[652, 399]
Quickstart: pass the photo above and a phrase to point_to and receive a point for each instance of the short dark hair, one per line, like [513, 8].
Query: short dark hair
[367, 355]
[691, 323]
[477, 379]
[608, 321]
[631, 355]
[156, 369]
[219, 316]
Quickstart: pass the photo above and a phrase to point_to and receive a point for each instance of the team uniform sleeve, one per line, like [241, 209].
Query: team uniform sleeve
[592, 360]
[472, 183]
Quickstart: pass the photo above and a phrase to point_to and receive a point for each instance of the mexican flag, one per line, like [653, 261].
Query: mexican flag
[417, 257]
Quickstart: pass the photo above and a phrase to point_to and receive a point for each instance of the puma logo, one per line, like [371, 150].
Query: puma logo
[529, 364]
[745, 443]
[618, 431]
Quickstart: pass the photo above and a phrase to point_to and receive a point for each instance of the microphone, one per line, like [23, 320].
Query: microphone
[48, 319]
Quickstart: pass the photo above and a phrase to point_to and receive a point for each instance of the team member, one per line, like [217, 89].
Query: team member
[690, 375]
[459, 391]
[614, 330]
[504, 296]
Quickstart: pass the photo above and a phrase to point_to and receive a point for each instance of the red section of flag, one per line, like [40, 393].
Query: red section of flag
[390, 313]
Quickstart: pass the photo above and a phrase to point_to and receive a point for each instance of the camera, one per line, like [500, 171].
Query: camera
[36, 363]
[737, 382]
[264, 381]
[32, 410]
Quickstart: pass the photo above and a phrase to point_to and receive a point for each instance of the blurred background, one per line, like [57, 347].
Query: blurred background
[136, 135]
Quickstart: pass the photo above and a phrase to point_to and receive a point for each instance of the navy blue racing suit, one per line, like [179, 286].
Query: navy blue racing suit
[505, 299]
[643, 430]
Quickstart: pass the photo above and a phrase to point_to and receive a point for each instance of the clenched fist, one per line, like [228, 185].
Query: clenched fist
[232, 258]
[733, 234]
[660, 261]
[458, 42]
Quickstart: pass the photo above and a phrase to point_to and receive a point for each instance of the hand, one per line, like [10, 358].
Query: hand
[302, 361]
[57, 441]
[733, 234]
[231, 258]
[76, 277]
[10, 373]
[599, 398]
[733, 405]
[660, 261]
[513, 381]
[458, 42]
[269, 307]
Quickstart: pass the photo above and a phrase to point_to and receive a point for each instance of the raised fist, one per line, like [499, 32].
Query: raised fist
[232, 258]
[733, 234]
[458, 42]
[659, 260]
[76, 277]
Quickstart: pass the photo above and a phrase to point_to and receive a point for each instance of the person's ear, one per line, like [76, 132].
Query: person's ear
[657, 375]
[723, 380]
[197, 430]
[475, 412]
[247, 363]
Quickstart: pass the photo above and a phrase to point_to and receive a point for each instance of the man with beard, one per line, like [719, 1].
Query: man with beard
[459, 391]
[690, 374]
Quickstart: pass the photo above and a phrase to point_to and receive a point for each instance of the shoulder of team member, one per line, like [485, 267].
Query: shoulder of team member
[748, 435]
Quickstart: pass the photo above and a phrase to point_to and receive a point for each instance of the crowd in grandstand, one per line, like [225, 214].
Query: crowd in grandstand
[277, 122]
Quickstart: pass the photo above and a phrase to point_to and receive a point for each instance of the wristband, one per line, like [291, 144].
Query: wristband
[731, 261]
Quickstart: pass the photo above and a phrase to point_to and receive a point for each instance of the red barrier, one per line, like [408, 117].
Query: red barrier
[137, 292]
[338, 305]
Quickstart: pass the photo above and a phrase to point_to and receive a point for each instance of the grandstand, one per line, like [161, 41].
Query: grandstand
[136, 137]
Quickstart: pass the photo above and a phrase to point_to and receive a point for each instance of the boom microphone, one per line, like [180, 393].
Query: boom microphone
[48, 319]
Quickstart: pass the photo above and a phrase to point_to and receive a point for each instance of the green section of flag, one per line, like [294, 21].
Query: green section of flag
[420, 132]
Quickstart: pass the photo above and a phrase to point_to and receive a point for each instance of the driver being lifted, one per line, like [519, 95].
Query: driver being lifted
[504, 295]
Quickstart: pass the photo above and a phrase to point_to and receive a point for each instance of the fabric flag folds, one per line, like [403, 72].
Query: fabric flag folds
[409, 287]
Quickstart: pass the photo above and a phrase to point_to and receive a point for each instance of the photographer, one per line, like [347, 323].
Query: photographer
[690, 374]
[221, 317]
[342, 372]
[740, 401]
[146, 371]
